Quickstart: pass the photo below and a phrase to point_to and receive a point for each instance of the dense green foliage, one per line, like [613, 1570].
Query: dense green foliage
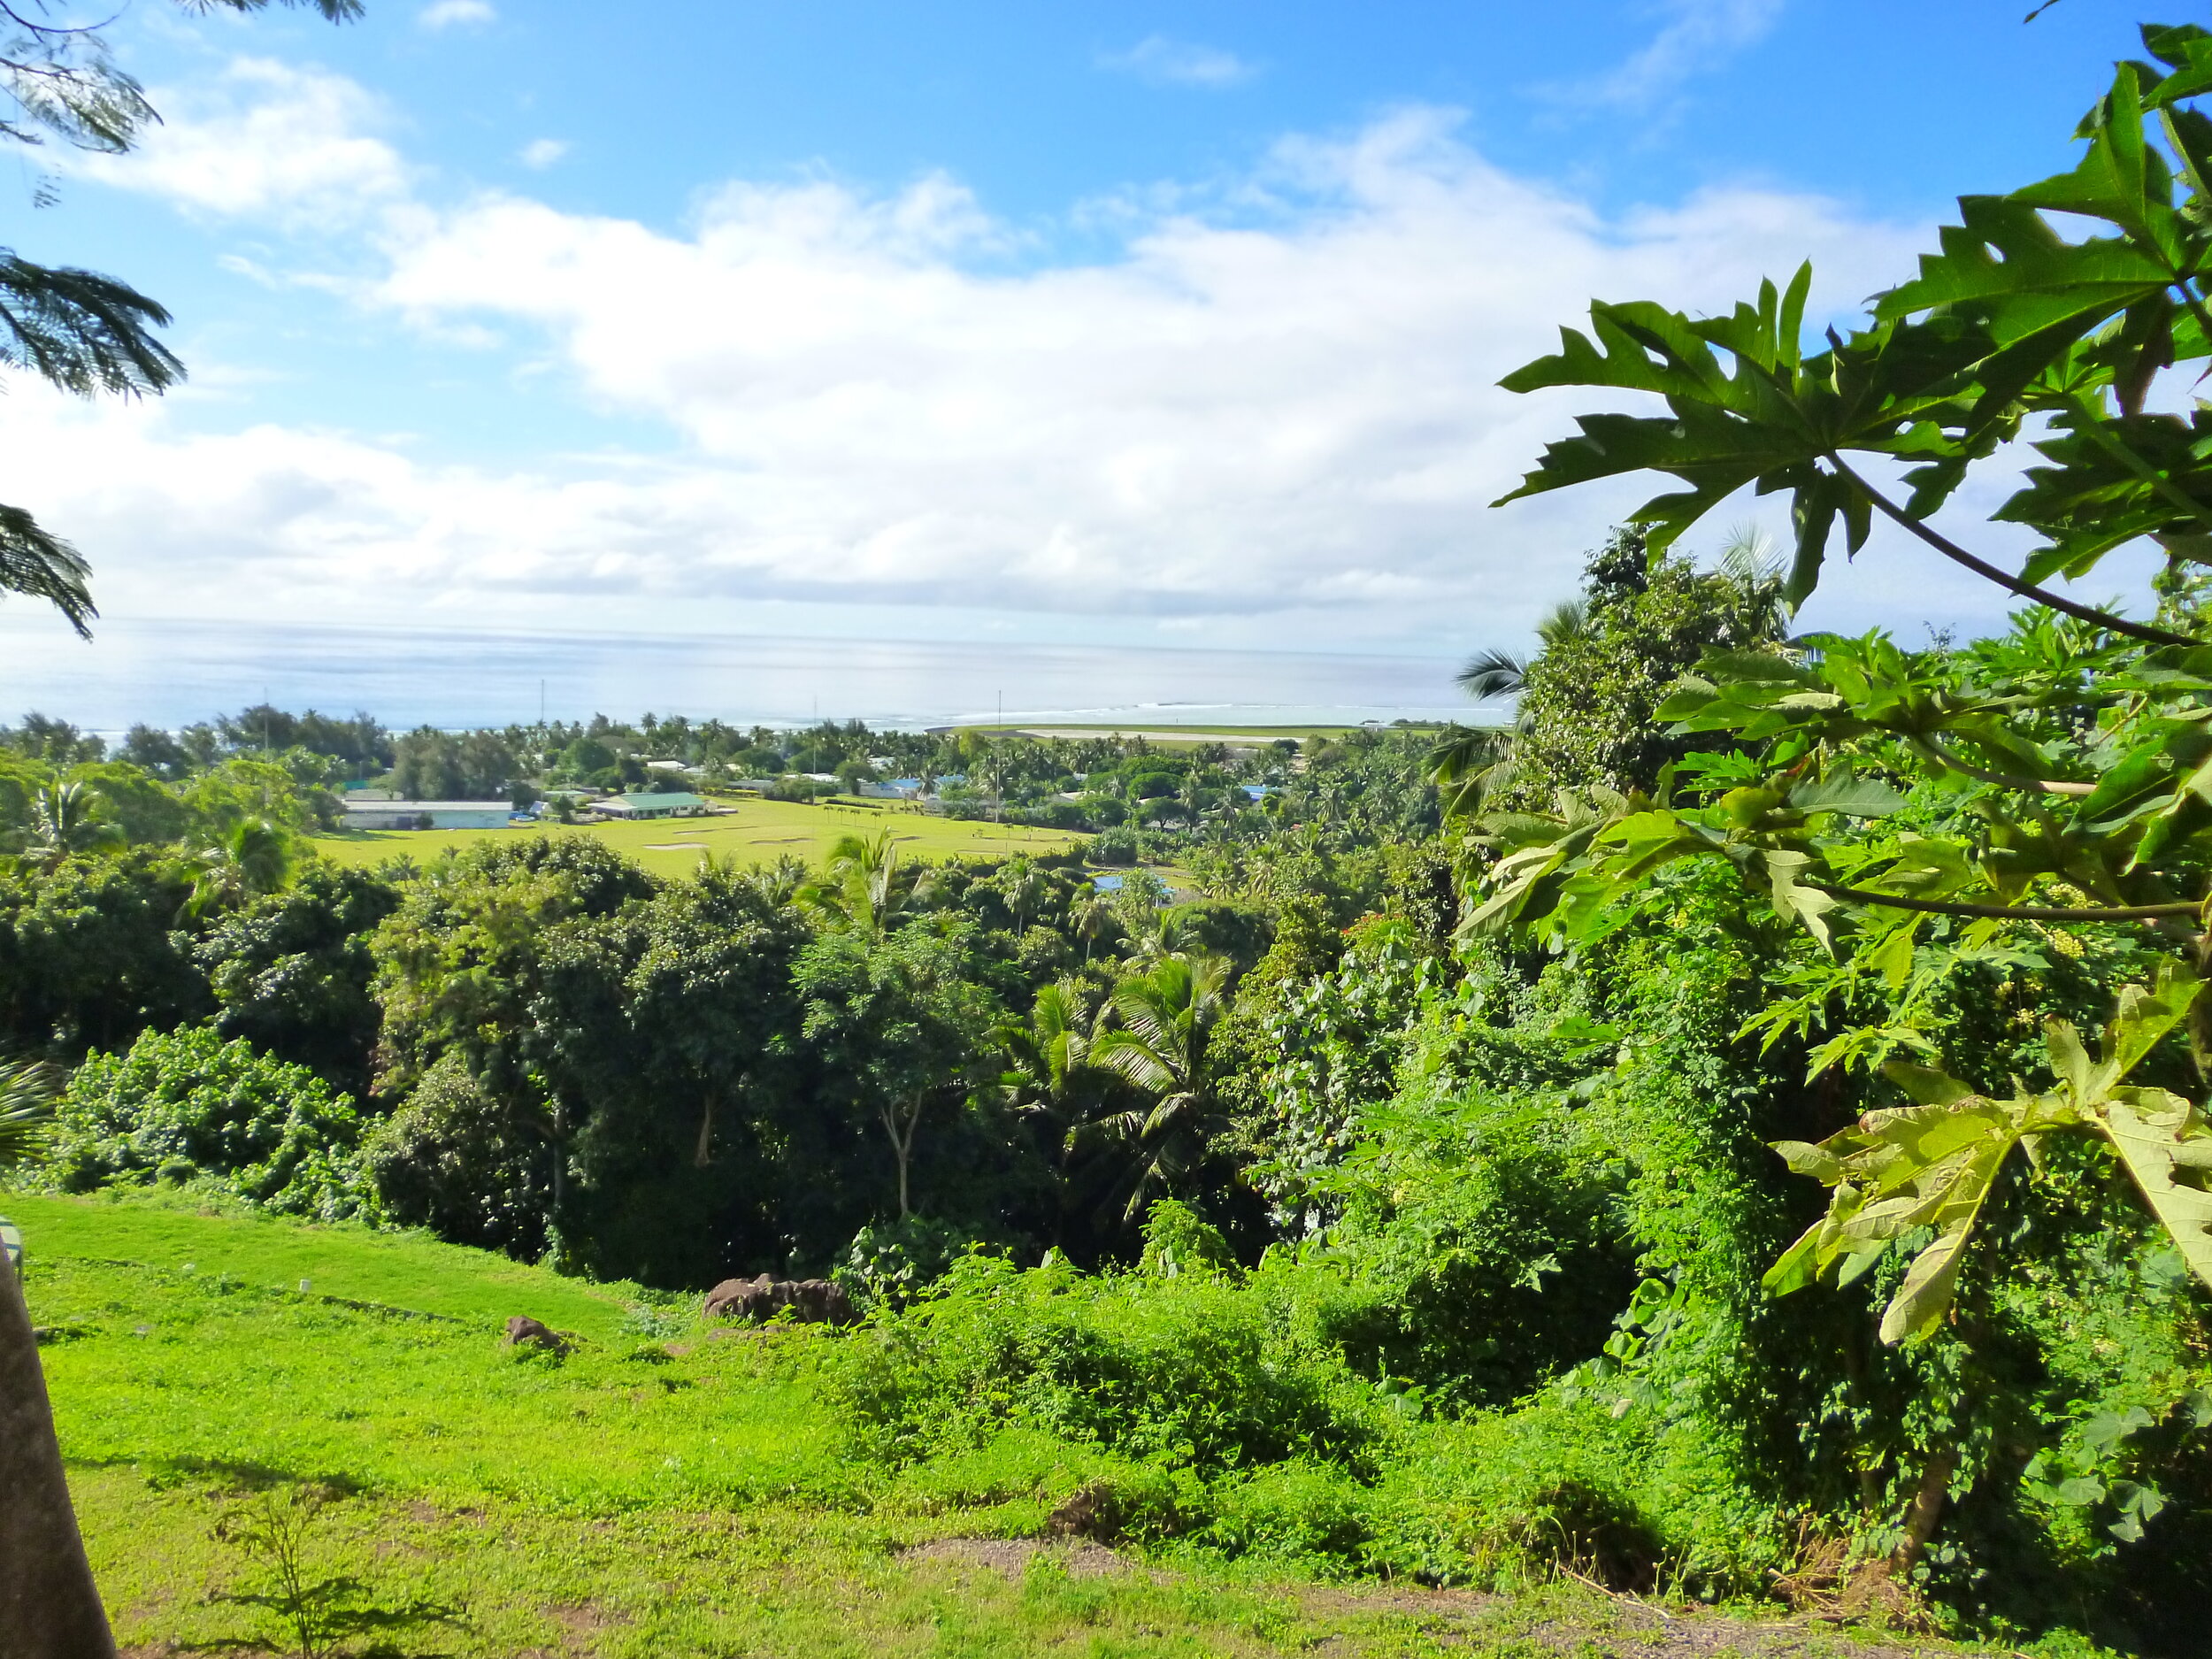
[187, 1104]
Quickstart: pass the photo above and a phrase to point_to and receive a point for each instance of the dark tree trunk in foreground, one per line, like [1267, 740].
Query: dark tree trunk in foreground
[50, 1608]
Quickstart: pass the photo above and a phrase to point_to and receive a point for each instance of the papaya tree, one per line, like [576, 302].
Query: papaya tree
[2061, 777]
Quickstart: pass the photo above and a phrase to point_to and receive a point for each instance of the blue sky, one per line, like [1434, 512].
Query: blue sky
[1167, 324]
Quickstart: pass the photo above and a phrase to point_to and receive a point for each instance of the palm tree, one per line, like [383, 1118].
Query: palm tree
[1024, 888]
[1048, 1075]
[26, 1111]
[779, 884]
[1159, 934]
[1496, 674]
[1091, 916]
[63, 821]
[1749, 561]
[250, 860]
[1164, 1019]
[862, 885]
[1473, 763]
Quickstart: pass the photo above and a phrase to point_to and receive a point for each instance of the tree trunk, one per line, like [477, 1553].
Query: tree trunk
[902, 1145]
[704, 1155]
[1927, 1510]
[50, 1608]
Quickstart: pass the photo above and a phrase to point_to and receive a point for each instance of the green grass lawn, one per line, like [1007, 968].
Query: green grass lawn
[757, 832]
[659, 1493]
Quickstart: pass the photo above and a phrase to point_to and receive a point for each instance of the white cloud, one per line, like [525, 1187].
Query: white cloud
[1697, 37]
[445, 14]
[543, 152]
[1273, 422]
[266, 140]
[1227, 419]
[1180, 63]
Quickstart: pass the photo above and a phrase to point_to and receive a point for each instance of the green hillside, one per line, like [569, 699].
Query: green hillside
[661, 1492]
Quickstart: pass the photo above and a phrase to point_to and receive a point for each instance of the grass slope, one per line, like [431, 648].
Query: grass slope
[659, 1492]
[758, 831]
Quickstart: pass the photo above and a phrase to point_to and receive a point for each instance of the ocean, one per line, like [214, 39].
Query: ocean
[174, 672]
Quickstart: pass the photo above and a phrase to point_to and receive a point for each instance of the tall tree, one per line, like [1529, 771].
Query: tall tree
[84, 333]
[1051, 1080]
[1160, 1041]
[899, 1023]
[242, 862]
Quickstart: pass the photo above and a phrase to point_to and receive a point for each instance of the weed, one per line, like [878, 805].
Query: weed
[314, 1613]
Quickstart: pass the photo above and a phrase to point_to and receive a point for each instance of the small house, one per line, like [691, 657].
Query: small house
[659, 804]
[389, 814]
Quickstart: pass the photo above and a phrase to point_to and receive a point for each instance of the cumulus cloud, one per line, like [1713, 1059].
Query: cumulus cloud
[1274, 421]
[446, 14]
[1160, 60]
[1231, 417]
[266, 140]
[543, 152]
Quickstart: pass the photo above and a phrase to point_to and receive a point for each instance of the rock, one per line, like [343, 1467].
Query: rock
[811, 1300]
[522, 1330]
[822, 1301]
[742, 1299]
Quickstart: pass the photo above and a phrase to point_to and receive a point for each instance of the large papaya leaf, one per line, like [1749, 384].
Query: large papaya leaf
[1926, 1165]
[1932, 1163]
[2167, 1147]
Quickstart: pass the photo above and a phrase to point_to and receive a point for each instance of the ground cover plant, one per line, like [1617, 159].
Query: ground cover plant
[653, 1491]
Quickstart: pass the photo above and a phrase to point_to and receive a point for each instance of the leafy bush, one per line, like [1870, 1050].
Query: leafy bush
[1115, 846]
[890, 1263]
[1190, 1371]
[185, 1104]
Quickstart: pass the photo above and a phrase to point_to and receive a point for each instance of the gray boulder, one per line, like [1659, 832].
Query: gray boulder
[524, 1332]
[811, 1300]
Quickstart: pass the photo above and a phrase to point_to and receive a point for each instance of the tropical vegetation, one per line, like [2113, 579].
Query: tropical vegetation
[1733, 1129]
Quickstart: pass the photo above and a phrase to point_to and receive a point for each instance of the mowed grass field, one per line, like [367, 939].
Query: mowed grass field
[663, 1493]
[755, 832]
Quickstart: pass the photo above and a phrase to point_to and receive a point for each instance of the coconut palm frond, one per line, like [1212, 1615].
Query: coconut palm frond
[1750, 562]
[1492, 674]
[1568, 619]
[1131, 1056]
[26, 1111]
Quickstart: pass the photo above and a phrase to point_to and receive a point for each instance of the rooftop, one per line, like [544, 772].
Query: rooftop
[354, 803]
[668, 800]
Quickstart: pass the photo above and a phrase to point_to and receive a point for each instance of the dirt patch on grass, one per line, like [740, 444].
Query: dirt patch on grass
[1329, 1599]
[1627, 1629]
[581, 1625]
[1012, 1556]
[1644, 1633]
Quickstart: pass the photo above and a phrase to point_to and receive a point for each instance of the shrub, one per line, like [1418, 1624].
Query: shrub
[1298, 1510]
[1190, 1371]
[1115, 846]
[888, 1266]
[186, 1104]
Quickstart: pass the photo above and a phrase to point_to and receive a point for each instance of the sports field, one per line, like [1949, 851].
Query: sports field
[756, 832]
